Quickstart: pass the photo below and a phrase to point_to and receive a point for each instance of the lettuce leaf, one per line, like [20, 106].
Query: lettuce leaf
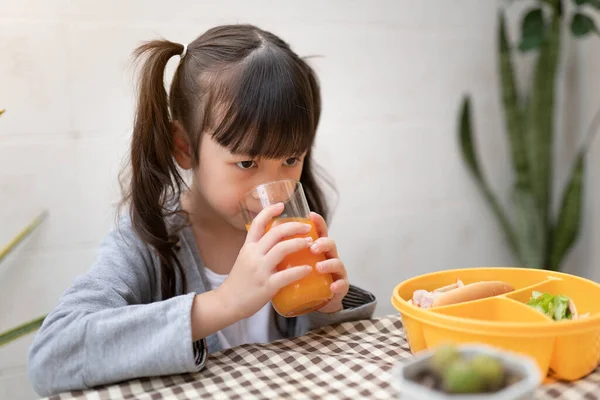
[555, 307]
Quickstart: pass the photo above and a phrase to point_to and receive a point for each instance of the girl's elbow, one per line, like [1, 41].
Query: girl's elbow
[40, 370]
[49, 371]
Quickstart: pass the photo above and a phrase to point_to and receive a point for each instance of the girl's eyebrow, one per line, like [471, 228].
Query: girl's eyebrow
[249, 157]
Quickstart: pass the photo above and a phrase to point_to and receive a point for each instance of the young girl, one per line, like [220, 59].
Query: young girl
[179, 277]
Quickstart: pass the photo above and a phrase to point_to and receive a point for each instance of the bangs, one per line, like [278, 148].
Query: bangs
[268, 106]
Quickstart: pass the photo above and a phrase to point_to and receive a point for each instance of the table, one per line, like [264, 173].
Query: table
[345, 361]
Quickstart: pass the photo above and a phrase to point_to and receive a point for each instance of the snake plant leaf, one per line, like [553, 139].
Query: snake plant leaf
[465, 132]
[466, 139]
[510, 101]
[567, 227]
[551, 3]
[582, 25]
[21, 330]
[593, 3]
[532, 30]
[540, 114]
[529, 228]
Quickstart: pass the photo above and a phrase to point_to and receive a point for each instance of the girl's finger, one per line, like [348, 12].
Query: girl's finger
[285, 248]
[278, 233]
[332, 266]
[261, 221]
[320, 224]
[287, 276]
[340, 286]
[325, 245]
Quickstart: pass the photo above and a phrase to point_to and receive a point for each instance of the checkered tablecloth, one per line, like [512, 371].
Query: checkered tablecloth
[347, 361]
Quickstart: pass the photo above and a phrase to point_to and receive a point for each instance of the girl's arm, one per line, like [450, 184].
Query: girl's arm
[106, 329]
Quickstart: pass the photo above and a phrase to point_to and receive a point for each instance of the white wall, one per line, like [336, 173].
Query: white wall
[392, 75]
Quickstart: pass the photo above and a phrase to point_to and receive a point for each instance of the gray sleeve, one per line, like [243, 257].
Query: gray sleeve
[106, 329]
[357, 305]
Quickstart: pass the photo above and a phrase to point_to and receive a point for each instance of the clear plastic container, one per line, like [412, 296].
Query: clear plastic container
[407, 389]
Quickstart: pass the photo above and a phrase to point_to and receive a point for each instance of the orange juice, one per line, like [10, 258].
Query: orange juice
[309, 293]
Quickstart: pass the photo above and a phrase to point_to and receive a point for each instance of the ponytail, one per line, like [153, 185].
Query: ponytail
[155, 179]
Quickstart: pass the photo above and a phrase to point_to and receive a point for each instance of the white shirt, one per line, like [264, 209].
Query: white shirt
[250, 330]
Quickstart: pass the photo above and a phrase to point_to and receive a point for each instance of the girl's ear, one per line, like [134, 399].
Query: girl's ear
[181, 146]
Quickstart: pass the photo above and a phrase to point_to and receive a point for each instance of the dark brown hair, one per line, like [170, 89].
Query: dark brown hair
[238, 83]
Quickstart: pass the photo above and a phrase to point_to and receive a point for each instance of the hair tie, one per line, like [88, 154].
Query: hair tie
[185, 46]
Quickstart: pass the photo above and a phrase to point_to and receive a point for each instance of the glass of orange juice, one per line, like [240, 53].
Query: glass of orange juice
[313, 291]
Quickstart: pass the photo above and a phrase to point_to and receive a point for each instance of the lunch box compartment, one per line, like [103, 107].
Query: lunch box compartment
[436, 280]
[586, 296]
[493, 309]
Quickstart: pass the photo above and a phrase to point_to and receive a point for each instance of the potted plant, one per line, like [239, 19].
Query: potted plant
[535, 236]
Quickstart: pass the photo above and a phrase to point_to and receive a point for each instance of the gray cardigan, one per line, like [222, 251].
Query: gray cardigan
[112, 324]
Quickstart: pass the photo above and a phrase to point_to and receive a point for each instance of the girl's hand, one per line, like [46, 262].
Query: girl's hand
[333, 265]
[254, 279]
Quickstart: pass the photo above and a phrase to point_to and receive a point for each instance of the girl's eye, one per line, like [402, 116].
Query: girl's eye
[246, 164]
[290, 162]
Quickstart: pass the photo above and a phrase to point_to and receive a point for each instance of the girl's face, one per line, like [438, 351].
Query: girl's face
[222, 178]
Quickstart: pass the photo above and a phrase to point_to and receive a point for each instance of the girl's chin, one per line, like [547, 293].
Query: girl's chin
[238, 223]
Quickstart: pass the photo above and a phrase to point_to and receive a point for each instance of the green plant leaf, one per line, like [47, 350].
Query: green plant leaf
[21, 330]
[593, 3]
[551, 3]
[465, 132]
[528, 227]
[512, 114]
[466, 140]
[20, 237]
[2, 110]
[582, 25]
[567, 226]
[540, 120]
[532, 30]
